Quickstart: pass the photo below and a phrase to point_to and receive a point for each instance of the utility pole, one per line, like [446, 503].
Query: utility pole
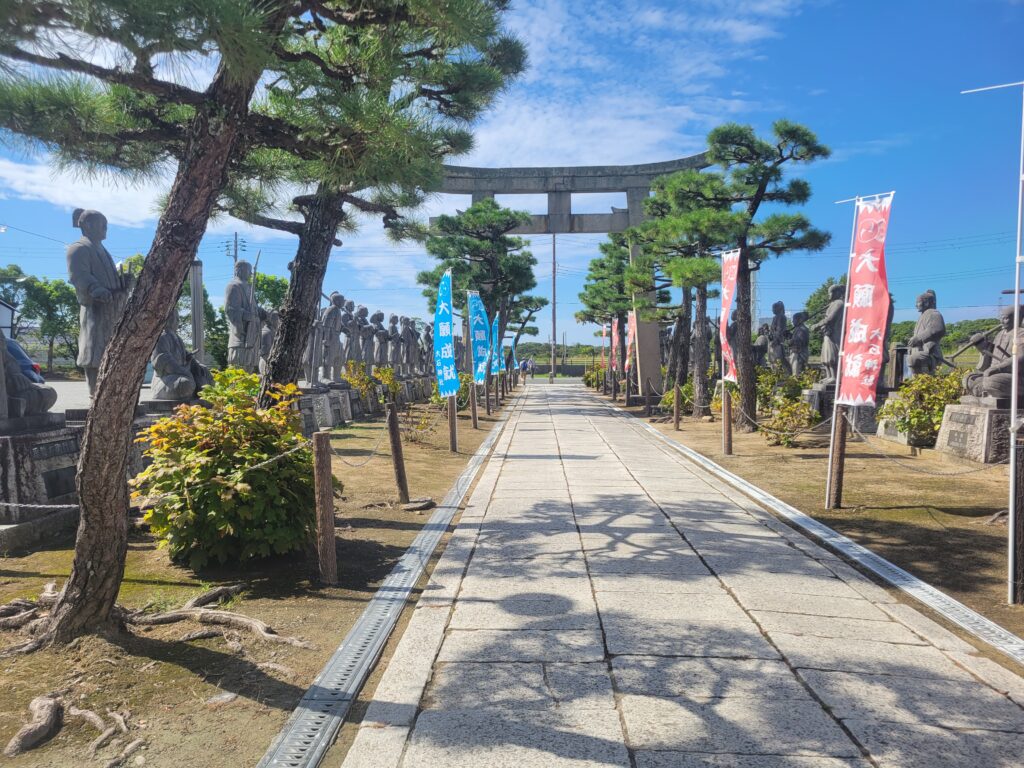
[1015, 521]
[554, 304]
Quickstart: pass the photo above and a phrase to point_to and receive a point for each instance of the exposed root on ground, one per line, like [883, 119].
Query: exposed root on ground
[45, 712]
[26, 616]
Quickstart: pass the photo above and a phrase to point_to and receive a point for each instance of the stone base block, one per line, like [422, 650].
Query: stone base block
[341, 407]
[975, 432]
[37, 468]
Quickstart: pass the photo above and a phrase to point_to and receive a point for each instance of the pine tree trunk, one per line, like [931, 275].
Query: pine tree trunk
[701, 401]
[743, 351]
[673, 354]
[90, 592]
[302, 300]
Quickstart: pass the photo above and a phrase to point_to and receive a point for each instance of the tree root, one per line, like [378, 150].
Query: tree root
[217, 618]
[102, 739]
[88, 716]
[46, 714]
[24, 615]
[127, 752]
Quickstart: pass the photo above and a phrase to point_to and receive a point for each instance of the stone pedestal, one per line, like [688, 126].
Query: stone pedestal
[307, 413]
[341, 407]
[976, 430]
[820, 397]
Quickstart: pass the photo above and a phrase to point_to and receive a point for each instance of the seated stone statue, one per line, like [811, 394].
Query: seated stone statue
[177, 375]
[925, 345]
[994, 375]
[24, 397]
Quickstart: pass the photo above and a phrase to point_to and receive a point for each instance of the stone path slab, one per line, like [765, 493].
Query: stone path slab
[606, 602]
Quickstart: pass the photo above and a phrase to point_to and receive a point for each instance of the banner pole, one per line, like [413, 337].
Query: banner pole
[453, 434]
[837, 441]
[726, 414]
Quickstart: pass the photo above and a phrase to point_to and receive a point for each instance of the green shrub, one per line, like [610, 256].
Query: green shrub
[355, 374]
[592, 377]
[918, 407]
[686, 399]
[211, 505]
[387, 377]
[789, 418]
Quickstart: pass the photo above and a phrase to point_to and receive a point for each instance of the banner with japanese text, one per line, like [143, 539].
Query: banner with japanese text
[480, 337]
[496, 366]
[867, 304]
[604, 337]
[515, 360]
[615, 344]
[630, 340]
[730, 268]
[504, 354]
[444, 346]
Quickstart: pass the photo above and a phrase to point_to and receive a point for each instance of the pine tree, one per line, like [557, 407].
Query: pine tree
[752, 176]
[604, 295]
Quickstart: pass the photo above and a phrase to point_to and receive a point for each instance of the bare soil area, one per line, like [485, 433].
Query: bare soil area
[220, 701]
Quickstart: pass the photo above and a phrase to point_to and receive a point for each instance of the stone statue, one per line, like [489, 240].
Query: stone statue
[410, 343]
[332, 325]
[348, 327]
[777, 333]
[831, 327]
[177, 375]
[799, 344]
[760, 345]
[243, 319]
[366, 334]
[273, 322]
[394, 343]
[380, 340]
[102, 291]
[23, 397]
[994, 375]
[925, 354]
[427, 351]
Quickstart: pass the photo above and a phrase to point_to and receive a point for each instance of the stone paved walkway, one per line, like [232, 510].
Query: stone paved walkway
[606, 603]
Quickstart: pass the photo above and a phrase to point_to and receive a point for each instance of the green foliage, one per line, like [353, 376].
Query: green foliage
[12, 290]
[789, 418]
[917, 408]
[686, 397]
[387, 377]
[355, 374]
[604, 296]
[592, 377]
[901, 332]
[208, 503]
[270, 290]
[465, 382]
[53, 306]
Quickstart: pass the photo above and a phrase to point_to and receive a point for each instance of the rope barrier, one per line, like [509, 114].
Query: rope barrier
[763, 428]
[149, 500]
[919, 470]
[373, 451]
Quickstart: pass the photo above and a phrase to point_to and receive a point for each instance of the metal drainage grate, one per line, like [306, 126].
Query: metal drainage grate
[313, 725]
[953, 610]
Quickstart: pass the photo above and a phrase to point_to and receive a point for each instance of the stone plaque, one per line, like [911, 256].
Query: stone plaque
[975, 432]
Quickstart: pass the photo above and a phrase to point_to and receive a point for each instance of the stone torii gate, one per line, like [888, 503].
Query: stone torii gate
[559, 183]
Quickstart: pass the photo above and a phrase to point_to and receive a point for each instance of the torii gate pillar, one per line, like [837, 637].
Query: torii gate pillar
[648, 346]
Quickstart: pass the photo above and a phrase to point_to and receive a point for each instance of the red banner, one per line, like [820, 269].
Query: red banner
[615, 344]
[867, 305]
[604, 335]
[730, 268]
[630, 340]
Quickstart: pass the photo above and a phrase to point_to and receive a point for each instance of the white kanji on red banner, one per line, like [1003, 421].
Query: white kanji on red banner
[615, 344]
[630, 340]
[730, 268]
[867, 304]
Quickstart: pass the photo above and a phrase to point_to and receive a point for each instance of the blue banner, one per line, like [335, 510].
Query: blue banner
[444, 347]
[496, 366]
[515, 361]
[480, 339]
[504, 354]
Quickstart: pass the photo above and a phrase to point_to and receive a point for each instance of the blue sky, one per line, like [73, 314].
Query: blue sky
[630, 81]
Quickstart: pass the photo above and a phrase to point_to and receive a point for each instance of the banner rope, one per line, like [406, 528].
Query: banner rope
[373, 451]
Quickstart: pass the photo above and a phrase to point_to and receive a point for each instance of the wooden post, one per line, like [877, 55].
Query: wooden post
[397, 457]
[487, 393]
[323, 480]
[726, 420]
[1017, 562]
[473, 405]
[836, 460]
[453, 417]
[677, 407]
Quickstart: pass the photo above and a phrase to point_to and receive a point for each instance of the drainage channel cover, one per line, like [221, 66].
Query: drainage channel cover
[313, 725]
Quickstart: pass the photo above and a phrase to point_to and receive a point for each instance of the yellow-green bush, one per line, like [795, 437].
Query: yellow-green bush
[208, 502]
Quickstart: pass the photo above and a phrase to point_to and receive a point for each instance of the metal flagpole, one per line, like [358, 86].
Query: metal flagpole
[554, 303]
[1014, 586]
